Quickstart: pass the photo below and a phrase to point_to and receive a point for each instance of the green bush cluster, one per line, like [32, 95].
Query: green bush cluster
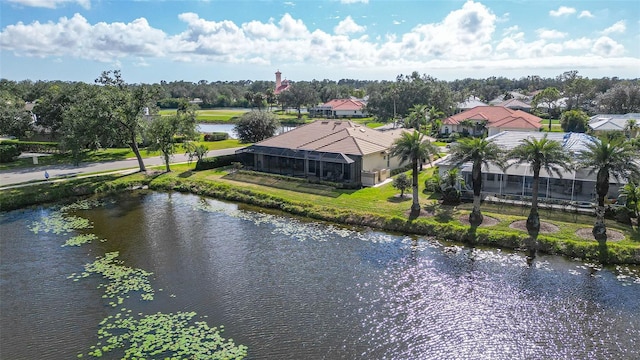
[215, 162]
[399, 170]
[217, 136]
[34, 146]
[9, 153]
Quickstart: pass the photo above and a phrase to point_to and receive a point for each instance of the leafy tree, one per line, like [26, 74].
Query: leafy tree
[547, 97]
[51, 106]
[622, 98]
[402, 182]
[163, 131]
[15, 120]
[127, 108]
[579, 93]
[414, 147]
[608, 158]
[574, 121]
[299, 95]
[255, 126]
[540, 154]
[632, 192]
[479, 151]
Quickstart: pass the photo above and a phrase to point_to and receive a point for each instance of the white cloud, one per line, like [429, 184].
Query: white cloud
[465, 38]
[51, 4]
[562, 11]
[619, 27]
[585, 14]
[550, 34]
[607, 47]
[348, 26]
[289, 3]
[354, 1]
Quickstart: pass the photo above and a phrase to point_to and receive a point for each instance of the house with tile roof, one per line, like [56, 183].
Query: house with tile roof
[517, 180]
[493, 118]
[340, 108]
[327, 150]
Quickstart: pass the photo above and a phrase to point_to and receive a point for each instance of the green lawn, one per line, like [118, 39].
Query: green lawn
[211, 115]
[110, 155]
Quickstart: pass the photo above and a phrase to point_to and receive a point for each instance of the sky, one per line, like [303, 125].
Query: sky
[218, 40]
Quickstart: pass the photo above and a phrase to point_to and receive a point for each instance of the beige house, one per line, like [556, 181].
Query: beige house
[328, 150]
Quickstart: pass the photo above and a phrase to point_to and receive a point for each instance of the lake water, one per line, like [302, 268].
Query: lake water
[293, 289]
[229, 129]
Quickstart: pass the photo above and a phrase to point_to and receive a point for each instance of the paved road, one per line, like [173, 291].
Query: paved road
[36, 173]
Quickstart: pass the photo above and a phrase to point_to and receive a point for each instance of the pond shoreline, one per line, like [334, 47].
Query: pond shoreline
[423, 226]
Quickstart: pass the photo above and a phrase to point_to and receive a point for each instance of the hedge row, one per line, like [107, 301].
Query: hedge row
[215, 162]
[8, 153]
[217, 136]
[34, 146]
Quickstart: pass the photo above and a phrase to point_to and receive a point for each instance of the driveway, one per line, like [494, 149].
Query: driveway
[36, 173]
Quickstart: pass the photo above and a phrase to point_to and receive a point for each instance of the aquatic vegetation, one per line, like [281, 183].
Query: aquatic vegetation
[81, 239]
[60, 223]
[163, 336]
[121, 279]
[84, 204]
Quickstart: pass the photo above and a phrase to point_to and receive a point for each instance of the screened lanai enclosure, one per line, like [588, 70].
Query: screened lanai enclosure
[314, 165]
[517, 181]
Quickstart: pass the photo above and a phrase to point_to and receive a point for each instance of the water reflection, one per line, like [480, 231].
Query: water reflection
[292, 289]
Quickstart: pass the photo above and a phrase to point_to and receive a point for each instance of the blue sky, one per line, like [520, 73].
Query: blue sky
[212, 40]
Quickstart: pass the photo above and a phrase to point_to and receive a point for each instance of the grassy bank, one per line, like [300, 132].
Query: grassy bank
[378, 208]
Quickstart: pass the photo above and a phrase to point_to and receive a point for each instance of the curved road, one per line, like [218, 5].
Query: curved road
[12, 177]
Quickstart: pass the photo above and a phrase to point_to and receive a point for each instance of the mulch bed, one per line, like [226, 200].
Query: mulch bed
[486, 220]
[612, 235]
[545, 227]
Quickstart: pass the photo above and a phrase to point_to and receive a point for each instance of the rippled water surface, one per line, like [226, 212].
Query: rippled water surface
[290, 289]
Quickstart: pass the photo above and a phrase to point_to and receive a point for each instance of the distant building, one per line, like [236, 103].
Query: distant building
[340, 108]
[470, 103]
[281, 85]
[492, 118]
[612, 122]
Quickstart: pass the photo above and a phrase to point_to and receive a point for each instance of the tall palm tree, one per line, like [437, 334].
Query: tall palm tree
[540, 154]
[434, 119]
[609, 158]
[479, 151]
[413, 146]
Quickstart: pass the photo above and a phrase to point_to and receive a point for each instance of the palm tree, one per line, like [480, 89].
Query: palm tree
[479, 151]
[632, 193]
[540, 154]
[434, 118]
[631, 128]
[417, 116]
[609, 158]
[413, 146]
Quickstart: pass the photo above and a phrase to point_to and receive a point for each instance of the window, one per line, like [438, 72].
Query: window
[491, 177]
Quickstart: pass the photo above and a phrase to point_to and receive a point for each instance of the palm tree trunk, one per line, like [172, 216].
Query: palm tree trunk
[533, 221]
[475, 218]
[602, 188]
[415, 206]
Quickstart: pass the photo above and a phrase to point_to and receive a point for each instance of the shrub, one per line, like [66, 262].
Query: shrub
[8, 153]
[401, 170]
[215, 162]
[34, 146]
[218, 136]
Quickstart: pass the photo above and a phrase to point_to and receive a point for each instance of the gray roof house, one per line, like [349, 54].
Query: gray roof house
[516, 181]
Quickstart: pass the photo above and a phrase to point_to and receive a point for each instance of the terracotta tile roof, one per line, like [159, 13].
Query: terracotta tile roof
[497, 116]
[333, 136]
[343, 104]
